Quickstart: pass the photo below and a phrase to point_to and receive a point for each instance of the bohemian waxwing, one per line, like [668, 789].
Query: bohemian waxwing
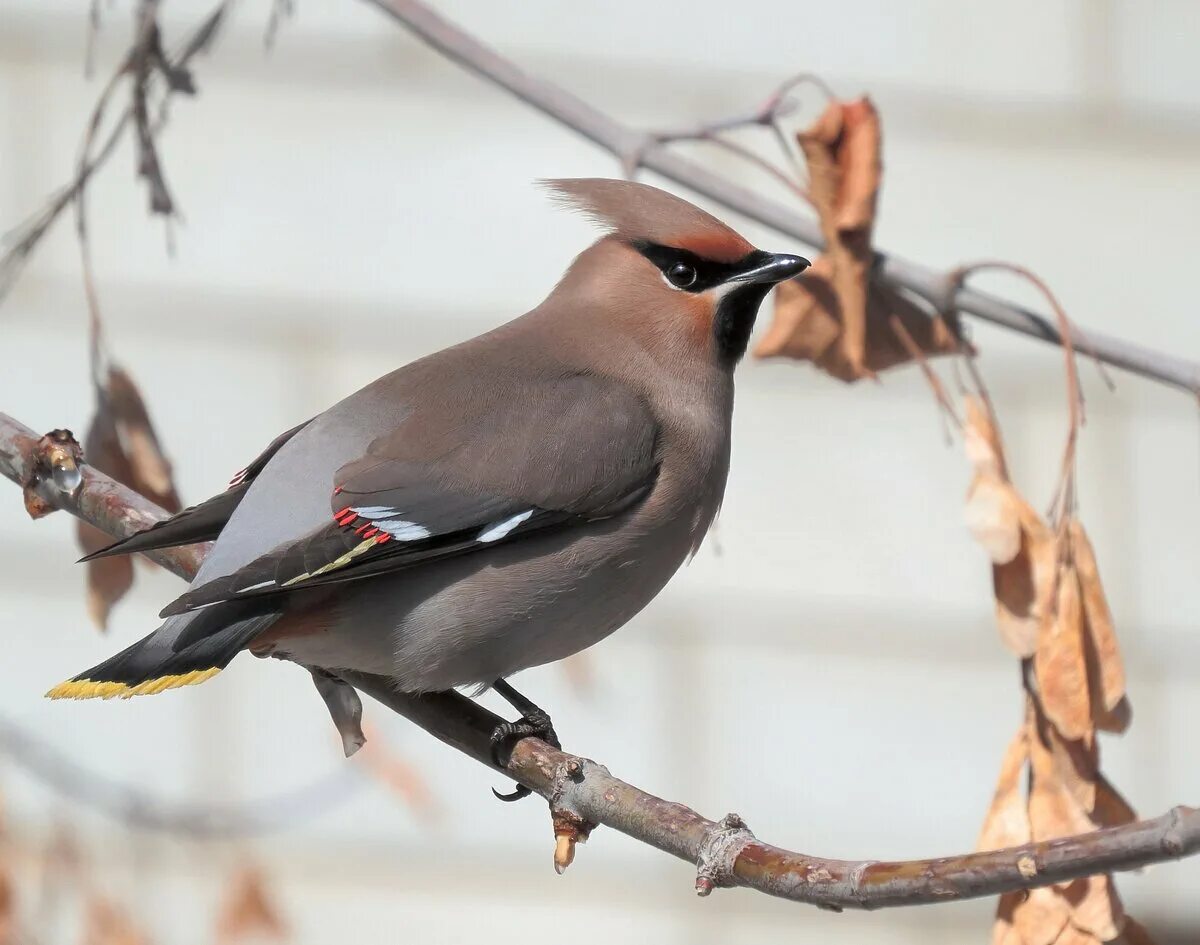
[498, 505]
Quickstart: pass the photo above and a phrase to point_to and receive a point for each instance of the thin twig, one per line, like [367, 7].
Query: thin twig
[1062, 505]
[584, 790]
[19, 244]
[621, 141]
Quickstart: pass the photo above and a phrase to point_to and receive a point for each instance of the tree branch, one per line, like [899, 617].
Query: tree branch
[583, 793]
[642, 149]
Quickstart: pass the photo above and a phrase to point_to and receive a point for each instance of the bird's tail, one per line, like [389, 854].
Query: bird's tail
[155, 664]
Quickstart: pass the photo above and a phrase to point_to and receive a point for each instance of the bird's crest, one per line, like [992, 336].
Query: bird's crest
[634, 211]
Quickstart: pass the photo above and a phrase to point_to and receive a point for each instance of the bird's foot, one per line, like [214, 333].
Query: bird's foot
[534, 723]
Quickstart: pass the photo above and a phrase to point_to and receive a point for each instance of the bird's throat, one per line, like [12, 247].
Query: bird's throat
[734, 321]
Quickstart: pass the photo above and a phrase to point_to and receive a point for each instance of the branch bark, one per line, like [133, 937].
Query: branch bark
[639, 149]
[584, 793]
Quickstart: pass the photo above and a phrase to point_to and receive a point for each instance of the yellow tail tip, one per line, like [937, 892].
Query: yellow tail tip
[90, 689]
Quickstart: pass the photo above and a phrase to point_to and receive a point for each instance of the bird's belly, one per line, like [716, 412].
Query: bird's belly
[487, 615]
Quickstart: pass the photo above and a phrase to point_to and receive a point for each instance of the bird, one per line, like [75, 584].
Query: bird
[497, 505]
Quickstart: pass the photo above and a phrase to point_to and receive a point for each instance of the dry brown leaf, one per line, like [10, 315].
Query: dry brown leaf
[1004, 932]
[106, 923]
[248, 912]
[1070, 935]
[1024, 585]
[1019, 543]
[1109, 669]
[836, 316]
[981, 438]
[1040, 917]
[1054, 810]
[1007, 821]
[121, 443]
[993, 516]
[1077, 766]
[1061, 660]
[1111, 809]
[1095, 906]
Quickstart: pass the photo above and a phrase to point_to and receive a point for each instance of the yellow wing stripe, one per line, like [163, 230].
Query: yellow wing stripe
[89, 689]
[340, 562]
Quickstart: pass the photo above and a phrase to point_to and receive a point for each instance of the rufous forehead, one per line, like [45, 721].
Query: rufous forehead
[719, 247]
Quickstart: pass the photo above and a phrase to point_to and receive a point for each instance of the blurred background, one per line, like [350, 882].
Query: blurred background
[827, 666]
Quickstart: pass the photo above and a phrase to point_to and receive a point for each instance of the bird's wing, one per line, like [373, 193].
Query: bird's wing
[201, 522]
[565, 450]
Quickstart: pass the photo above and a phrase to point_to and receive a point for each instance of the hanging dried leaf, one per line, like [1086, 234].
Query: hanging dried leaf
[1076, 765]
[1070, 935]
[993, 516]
[981, 438]
[1004, 932]
[1095, 907]
[248, 912]
[1054, 810]
[1019, 543]
[121, 443]
[837, 317]
[1111, 809]
[1061, 661]
[1023, 586]
[1109, 671]
[1007, 821]
[1041, 916]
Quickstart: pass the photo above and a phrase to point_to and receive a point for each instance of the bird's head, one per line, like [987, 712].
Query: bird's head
[668, 270]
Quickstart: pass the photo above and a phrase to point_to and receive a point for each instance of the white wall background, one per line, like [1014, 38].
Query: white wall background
[832, 674]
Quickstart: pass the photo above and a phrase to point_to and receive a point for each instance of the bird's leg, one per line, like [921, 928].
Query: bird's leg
[534, 721]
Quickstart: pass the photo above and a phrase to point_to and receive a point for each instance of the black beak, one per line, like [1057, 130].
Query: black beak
[770, 268]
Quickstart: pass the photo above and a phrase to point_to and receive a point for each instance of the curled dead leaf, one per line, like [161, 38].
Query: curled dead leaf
[1108, 668]
[981, 438]
[1054, 809]
[1060, 662]
[1111, 809]
[1004, 932]
[1023, 586]
[1076, 764]
[1007, 820]
[837, 316]
[993, 517]
[1070, 935]
[121, 443]
[1040, 916]
[1095, 906]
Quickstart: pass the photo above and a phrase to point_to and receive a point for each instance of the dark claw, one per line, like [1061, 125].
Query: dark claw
[534, 722]
[536, 725]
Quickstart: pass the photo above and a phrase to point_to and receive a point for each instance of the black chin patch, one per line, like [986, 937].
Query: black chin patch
[735, 318]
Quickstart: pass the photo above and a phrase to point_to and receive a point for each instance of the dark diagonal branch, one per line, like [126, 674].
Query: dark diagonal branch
[640, 148]
[583, 793]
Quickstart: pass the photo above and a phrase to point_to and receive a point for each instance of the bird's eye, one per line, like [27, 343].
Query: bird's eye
[681, 275]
